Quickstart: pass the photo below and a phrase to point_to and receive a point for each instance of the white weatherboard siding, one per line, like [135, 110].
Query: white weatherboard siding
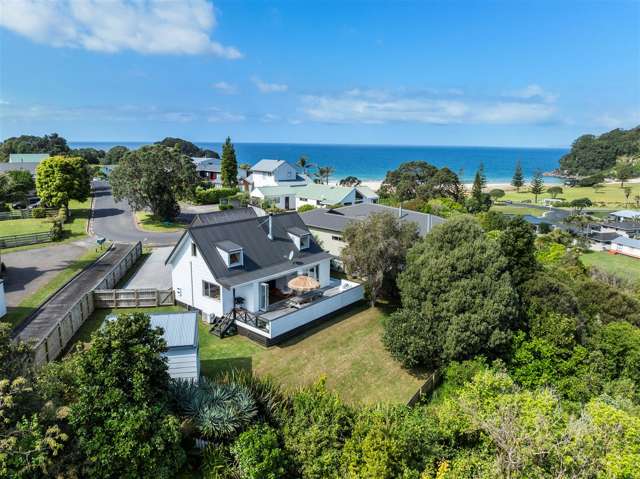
[626, 250]
[183, 363]
[315, 311]
[284, 172]
[187, 275]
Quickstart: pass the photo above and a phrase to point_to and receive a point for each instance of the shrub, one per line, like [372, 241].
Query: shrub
[305, 208]
[259, 454]
[56, 230]
[212, 196]
[226, 207]
[591, 180]
[38, 212]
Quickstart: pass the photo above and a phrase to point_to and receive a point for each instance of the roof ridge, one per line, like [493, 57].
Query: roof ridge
[241, 220]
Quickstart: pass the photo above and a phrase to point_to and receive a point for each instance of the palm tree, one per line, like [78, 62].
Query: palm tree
[304, 163]
[325, 172]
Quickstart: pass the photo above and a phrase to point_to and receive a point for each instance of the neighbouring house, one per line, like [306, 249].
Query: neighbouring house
[600, 240]
[210, 169]
[624, 215]
[328, 225]
[30, 167]
[275, 173]
[180, 331]
[626, 246]
[629, 229]
[313, 194]
[537, 222]
[27, 157]
[238, 273]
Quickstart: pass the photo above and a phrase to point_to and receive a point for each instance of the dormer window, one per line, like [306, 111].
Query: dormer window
[301, 238]
[231, 253]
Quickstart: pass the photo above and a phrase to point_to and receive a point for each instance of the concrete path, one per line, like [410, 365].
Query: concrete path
[114, 220]
[29, 270]
[153, 273]
[38, 325]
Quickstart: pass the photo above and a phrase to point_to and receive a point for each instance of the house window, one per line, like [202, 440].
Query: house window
[304, 199]
[336, 238]
[194, 250]
[304, 242]
[210, 290]
[235, 258]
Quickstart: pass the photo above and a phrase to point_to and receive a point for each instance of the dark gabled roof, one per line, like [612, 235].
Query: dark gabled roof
[622, 225]
[26, 166]
[224, 216]
[337, 219]
[602, 237]
[262, 257]
[299, 232]
[228, 246]
[630, 242]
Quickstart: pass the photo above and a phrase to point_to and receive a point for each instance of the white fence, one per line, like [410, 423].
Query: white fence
[50, 347]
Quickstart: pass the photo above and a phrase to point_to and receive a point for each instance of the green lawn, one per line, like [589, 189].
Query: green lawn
[97, 318]
[517, 210]
[147, 222]
[347, 349]
[75, 227]
[620, 265]
[610, 195]
[17, 314]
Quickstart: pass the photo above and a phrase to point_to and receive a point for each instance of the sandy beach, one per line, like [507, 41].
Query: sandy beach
[375, 185]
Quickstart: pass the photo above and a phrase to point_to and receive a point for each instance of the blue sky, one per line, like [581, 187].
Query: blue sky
[506, 73]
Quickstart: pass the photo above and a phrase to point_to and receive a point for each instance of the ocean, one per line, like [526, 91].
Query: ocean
[371, 162]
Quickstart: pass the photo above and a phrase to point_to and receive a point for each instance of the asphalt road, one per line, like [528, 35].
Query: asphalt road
[114, 220]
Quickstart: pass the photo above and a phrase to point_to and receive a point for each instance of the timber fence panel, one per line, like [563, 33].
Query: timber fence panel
[25, 239]
[26, 214]
[429, 385]
[62, 332]
[133, 298]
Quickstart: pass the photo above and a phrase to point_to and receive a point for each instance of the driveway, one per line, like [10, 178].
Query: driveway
[114, 220]
[153, 273]
[29, 270]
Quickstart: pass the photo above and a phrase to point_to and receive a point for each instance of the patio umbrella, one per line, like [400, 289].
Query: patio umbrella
[303, 283]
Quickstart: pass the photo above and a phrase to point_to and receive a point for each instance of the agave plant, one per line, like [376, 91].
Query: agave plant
[218, 410]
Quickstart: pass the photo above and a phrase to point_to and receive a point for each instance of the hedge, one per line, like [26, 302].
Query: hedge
[212, 196]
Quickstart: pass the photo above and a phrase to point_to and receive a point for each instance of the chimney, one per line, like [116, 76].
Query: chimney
[270, 235]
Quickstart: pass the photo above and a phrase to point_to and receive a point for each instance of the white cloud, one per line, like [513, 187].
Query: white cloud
[376, 107]
[269, 118]
[265, 87]
[533, 92]
[149, 27]
[215, 115]
[623, 120]
[226, 88]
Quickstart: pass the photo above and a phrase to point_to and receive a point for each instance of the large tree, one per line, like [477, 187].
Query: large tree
[154, 177]
[187, 148]
[121, 415]
[419, 179]
[60, 179]
[20, 184]
[376, 249]
[518, 177]
[52, 144]
[537, 185]
[92, 155]
[457, 298]
[114, 155]
[229, 167]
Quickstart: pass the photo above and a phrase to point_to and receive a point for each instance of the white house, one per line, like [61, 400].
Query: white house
[180, 331]
[237, 274]
[210, 169]
[328, 225]
[626, 246]
[313, 194]
[275, 173]
[625, 215]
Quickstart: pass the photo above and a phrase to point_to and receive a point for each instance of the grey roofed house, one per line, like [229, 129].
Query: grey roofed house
[223, 216]
[600, 237]
[336, 219]
[261, 256]
[267, 166]
[27, 157]
[208, 164]
[180, 331]
[30, 167]
[630, 242]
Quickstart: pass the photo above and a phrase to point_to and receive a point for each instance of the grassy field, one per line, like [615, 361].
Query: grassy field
[17, 314]
[147, 222]
[347, 349]
[517, 210]
[623, 266]
[610, 195]
[75, 228]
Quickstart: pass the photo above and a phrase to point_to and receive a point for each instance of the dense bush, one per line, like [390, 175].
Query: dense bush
[305, 208]
[259, 454]
[38, 212]
[212, 196]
